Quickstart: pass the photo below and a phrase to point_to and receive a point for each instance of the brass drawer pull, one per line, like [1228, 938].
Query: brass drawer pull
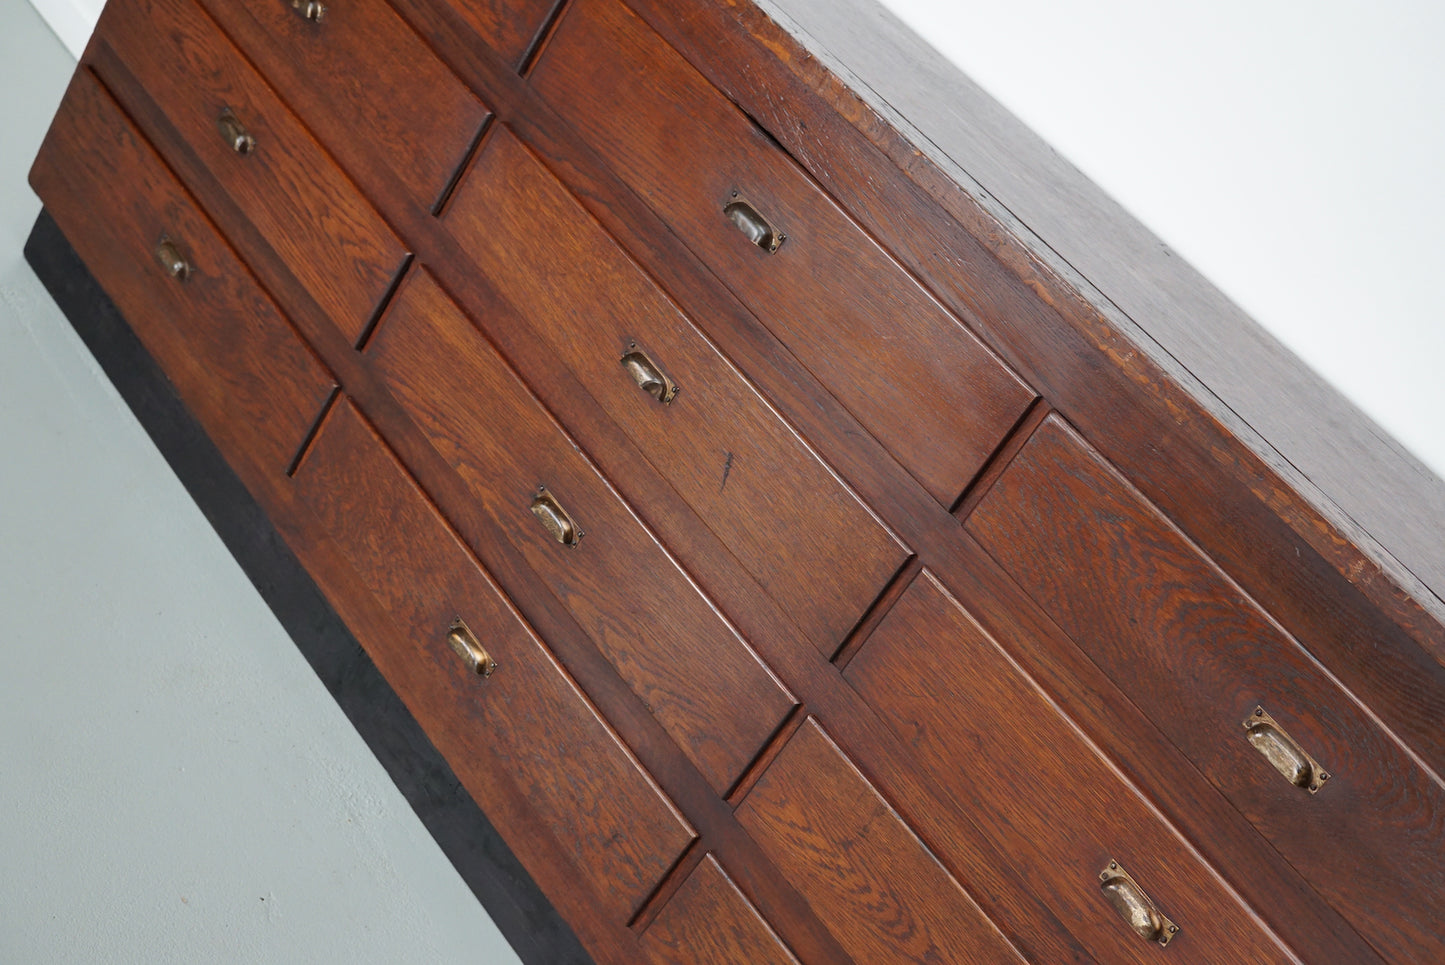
[235, 132]
[1134, 906]
[753, 225]
[172, 260]
[313, 10]
[648, 376]
[464, 642]
[555, 519]
[1281, 750]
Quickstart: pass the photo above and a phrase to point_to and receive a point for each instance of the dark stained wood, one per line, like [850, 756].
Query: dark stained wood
[421, 117]
[1061, 812]
[709, 922]
[830, 294]
[337, 246]
[700, 679]
[747, 475]
[233, 357]
[527, 723]
[510, 27]
[1197, 655]
[859, 865]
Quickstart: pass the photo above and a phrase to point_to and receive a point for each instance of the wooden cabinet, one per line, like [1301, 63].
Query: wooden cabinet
[726, 497]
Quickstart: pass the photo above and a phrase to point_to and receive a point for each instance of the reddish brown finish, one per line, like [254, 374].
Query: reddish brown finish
[699, 678]
[335, 244]
[709, 922]
[510, 27]
[235, 360]
[1197, 655]
[869, 878]
[917, 379]
[1060, 811]
[421, 118]
[753, 481]
[528, 722]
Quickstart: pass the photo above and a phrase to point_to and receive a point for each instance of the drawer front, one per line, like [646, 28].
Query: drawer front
[1196, 655]
[362, 71]
[234, 359]
[709, 922]
[920, 382]
[315, 220]
[696, 675]
[949, 692]
[527, 723]
[753, 481]
[509, 27]
[870, 880]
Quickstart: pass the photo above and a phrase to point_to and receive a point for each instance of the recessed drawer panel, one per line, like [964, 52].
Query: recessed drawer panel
[709, 922]
[877, 888]
[526, 722]
[365, 82]
[235, 360]
[687, 664]
[315, 220]
[947, 690]
[920, 382]
[1342, 800]
[748, 476]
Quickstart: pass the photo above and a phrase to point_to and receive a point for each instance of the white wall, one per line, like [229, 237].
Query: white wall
[1294, 153]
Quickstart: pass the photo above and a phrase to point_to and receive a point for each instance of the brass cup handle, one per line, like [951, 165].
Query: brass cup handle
[1284, 752]
[648, 375]
[1134, 906]
[554, 519]
[171, 259]
[750, 221]
[312, 10]
[234, 132]
[461, 639]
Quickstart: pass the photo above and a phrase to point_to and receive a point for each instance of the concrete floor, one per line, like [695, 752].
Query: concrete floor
[175, 783]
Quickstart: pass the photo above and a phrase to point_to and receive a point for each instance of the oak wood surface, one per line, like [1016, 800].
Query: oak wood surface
[750, 478]
[920, 381]
[709, 921]
[1197, 655]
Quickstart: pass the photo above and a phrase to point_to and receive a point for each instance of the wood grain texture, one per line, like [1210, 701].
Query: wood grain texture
[403, 102]
[747, 475]
[689, 666]
[911, 373]
[1060, 811]
[233, 357]
[527, 723]
[1197, 655]
[306, 209]
[510, 27]
[709, 922]
[864, 871]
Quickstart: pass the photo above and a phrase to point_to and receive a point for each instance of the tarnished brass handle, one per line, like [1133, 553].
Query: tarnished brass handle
[313, 10]
[554, 518]
[1134, 906]
[172, 260]
[235, 132]
[464, 642]
[648, 376]
[753, 225]
[1281, 750]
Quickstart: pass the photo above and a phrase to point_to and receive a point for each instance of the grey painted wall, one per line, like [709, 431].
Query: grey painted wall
[175, 783]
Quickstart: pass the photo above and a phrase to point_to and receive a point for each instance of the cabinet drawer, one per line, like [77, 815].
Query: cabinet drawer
[687, 664]
[526, 723]
[949, 692]
[509, 27]
[870, 880]
[748, 476]
[709, 922]
[366, 83]
[1198, 656]
[916, 379]
[234, 359]
[315, 220]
